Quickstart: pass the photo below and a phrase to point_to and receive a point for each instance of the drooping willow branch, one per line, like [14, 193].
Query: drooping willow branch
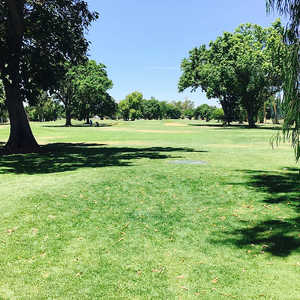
[291, 80]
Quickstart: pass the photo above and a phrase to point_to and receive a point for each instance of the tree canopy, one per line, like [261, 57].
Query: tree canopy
[37, 38]
[151, 109]
[237, 68]
[90, 84]
[131, 107]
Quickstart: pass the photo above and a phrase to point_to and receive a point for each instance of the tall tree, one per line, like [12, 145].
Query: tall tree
[237, 68]
[151, 109]
[37, 37]
[291, 70]
[90, 84]
[131, 106]
[258, 54]
[208, 69]
[65, 92]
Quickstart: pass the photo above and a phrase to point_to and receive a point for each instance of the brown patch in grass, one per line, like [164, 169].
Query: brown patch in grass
[164, 131]
[176, 124]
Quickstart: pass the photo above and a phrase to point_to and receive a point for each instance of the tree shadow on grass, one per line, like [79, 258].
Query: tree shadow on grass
[279, 236]
[61, 157]
[236, 126]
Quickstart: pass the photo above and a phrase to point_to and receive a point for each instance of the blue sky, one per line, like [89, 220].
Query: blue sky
[142, 42]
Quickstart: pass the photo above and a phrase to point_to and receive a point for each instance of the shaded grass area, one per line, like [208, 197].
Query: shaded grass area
[61, 157]
[280, 236]
[236, 126]
[87, 220]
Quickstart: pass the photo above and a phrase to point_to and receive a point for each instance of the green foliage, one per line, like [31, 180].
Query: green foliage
[83, 90]
[173, 112]
[48, 39]
[204, 112]
[186, 108]
[37, 38]
[90, 84]
[46, 109]
[291, 85]
[218, 114]
[135, 107]
[290, 8]
[243, 67]
[151, 109]
[124, 109]
[291, 100]
[187, 104]
[188, 113]
[204, 69]
[131, 107]
[163, 109]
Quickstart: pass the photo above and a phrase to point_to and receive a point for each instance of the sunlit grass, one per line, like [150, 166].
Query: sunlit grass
[101, 213]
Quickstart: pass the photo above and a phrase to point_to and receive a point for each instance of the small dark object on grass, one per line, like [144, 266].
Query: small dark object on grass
[97, 124]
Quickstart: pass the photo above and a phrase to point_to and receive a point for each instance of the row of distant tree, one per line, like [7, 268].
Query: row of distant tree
[135, 107]
[50, 107]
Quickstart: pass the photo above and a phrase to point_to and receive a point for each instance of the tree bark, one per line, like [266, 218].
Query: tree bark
[275, 113]
[68, 116]
[251, 121]
[21, 139]
[228, 109]
[66, 101]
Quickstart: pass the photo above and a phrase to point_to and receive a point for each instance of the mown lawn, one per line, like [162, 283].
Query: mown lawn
[103, 213]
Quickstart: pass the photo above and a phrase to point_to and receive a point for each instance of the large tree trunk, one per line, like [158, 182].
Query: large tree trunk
[21, 139]
[228, 105]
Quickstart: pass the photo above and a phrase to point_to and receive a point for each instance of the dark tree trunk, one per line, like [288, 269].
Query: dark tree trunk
[68, 116]
[87, 116]
[228, 105]
[21, 139]
[66, 101]
[251, 120]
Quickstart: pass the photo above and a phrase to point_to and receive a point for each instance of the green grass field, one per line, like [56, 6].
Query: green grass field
[102, 213]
